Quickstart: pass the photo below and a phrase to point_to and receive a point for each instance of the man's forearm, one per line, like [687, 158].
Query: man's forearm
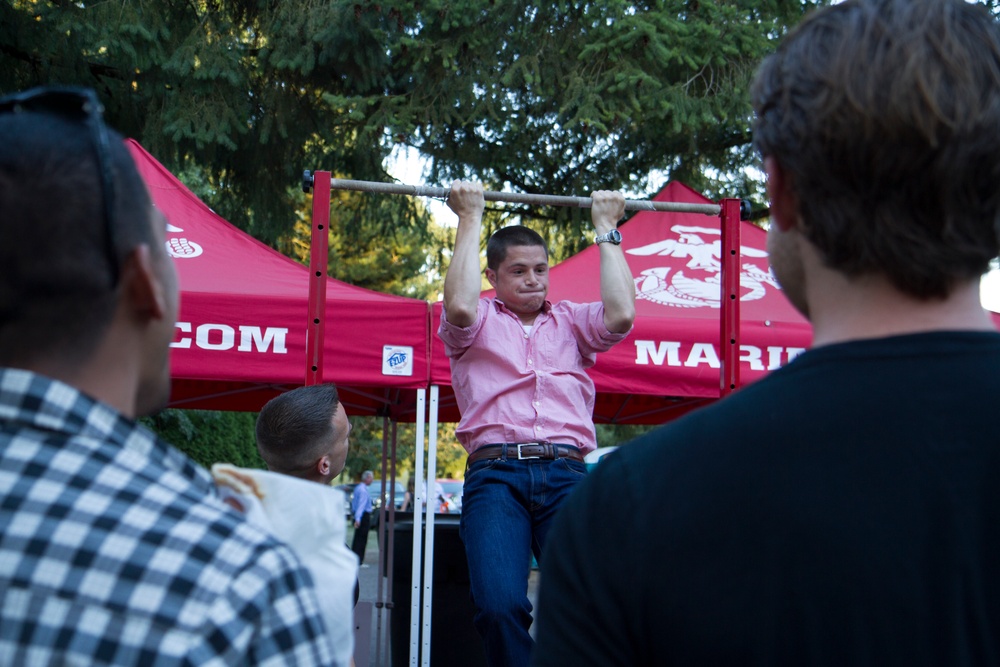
[617, 289]
[463, 283]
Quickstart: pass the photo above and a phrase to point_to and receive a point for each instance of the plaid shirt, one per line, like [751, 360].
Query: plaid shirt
[115, 550]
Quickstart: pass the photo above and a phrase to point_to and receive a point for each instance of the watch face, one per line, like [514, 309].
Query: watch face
[614, 236]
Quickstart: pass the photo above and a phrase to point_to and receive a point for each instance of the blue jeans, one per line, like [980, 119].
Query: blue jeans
[507, 509]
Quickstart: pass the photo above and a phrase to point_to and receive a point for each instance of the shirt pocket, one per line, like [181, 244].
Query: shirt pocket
[555, 349]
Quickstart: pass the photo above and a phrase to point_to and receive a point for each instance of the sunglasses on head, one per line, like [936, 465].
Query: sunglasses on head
[79, 104]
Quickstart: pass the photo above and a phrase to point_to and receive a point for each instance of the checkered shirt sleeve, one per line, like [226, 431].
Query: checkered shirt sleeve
[115, 549]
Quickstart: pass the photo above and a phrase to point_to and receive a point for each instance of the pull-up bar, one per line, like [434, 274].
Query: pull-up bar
[513, 197]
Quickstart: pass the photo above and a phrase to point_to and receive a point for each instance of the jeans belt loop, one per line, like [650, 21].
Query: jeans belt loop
[520, 456]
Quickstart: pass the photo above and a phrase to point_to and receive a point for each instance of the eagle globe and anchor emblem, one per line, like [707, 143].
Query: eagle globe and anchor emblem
[699, 286]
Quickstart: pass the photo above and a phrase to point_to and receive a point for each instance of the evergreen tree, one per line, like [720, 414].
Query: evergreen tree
[238, 97]
[562, 97]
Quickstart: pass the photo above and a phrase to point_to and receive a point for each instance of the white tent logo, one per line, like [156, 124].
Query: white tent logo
[181, 248]
[700, 288]
[397, 360]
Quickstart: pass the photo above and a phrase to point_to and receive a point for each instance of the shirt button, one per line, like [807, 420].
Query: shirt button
[530, 362]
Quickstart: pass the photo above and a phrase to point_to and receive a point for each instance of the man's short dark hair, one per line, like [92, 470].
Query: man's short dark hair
[505, 237]
[294, 428]
[885, 115]
[56, 284]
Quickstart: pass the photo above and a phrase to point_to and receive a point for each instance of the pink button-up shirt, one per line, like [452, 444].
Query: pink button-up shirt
[513, 386]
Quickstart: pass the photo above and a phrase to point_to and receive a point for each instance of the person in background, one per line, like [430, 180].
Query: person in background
[115, 548]
[361, 510]
[518, 365]
[303, 437]
[843, 510]
[409, 495]
[304, 433]
[407, 505]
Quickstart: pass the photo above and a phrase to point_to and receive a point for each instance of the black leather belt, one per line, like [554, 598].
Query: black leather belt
[521, 451]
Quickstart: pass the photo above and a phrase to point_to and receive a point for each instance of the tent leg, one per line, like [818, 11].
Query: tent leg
[390, 532]
[418, 496]
[431, 508]
[385, 513]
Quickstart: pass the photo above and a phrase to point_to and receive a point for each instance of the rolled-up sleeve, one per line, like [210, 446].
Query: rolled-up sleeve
[458, 339]
[591, 334]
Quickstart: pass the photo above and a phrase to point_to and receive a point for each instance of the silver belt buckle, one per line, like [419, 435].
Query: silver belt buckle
[520, 457]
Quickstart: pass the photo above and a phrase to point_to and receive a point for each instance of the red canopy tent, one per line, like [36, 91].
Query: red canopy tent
[669, 364]
[241, 333]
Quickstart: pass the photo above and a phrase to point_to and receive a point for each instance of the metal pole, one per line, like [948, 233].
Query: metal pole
[432, 410]
[386, 513]
[729, 321]
[319, 250]
[517, 197]
[415, 589]
[390, 605]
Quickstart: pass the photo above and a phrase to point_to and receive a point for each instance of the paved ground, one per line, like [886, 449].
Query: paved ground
[379, 624]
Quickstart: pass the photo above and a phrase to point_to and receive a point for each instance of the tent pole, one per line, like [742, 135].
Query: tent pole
[319, 251]
[425, 654]
[418, 496]
[391, 555]
[729, 317]
[387, 512]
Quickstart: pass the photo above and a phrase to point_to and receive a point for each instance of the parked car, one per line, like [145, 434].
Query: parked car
[379, 497]
[451, 492]
[375, 491]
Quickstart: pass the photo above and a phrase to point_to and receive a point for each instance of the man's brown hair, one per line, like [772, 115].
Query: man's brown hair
[886, 116]
[505, 237]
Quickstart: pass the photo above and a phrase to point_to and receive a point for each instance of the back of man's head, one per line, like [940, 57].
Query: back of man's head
[59, 273]
[884, 114]
[294, 429]
[505, 237]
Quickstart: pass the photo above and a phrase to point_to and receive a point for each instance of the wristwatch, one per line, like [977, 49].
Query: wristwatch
[614, 236]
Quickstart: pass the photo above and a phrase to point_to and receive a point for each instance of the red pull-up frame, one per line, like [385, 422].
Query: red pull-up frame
[729, 318]
[729, 218]
[319, 252]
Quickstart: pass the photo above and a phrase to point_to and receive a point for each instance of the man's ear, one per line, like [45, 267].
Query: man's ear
[784, 203]
[142, 286]
[491, 276]
[323, 465]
